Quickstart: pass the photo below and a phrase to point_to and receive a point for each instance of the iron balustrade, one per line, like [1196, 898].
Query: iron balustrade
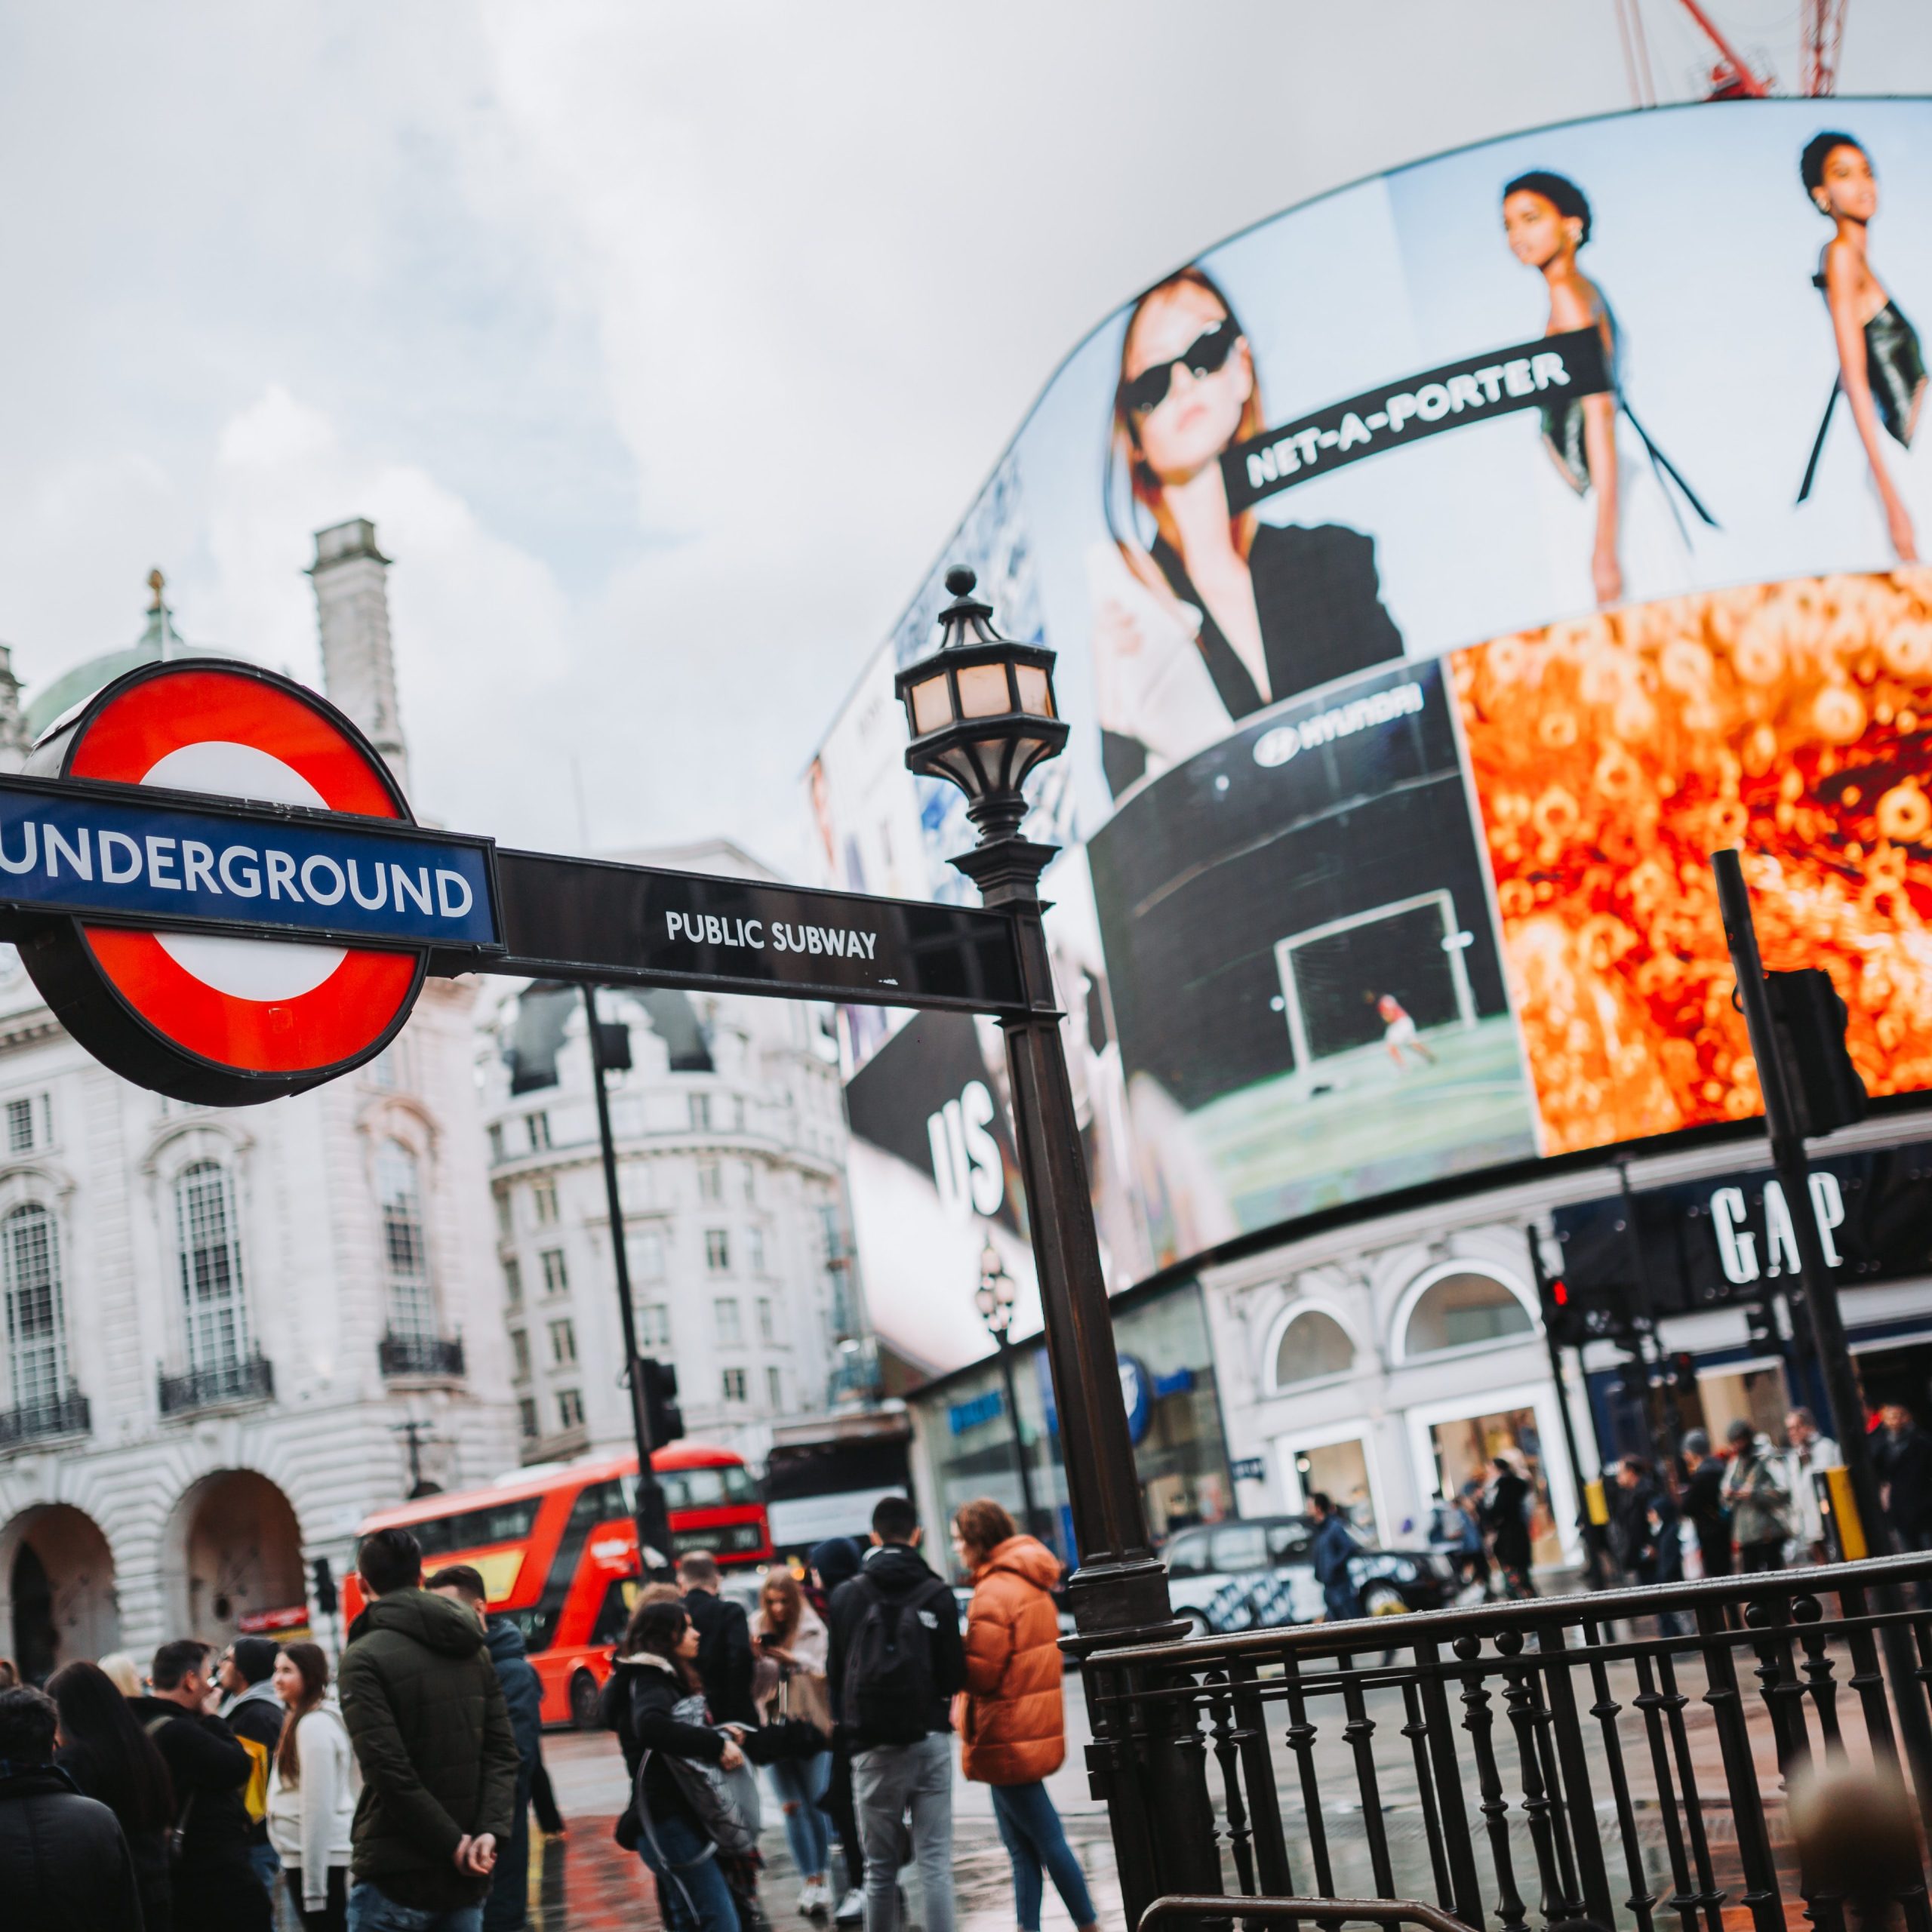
[1514, 1762]
[247, 1379]
[421, 1354]
[65, 1415]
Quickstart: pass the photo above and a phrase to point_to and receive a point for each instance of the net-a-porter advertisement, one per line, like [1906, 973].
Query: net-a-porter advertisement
[1439, 572]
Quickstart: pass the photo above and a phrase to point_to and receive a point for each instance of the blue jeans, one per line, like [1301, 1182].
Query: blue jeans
[800, 1783]
[694, 1889]
[1030, 1828]
[371, 1910]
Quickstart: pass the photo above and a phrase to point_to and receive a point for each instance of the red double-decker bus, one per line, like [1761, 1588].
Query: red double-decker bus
[557, 1549]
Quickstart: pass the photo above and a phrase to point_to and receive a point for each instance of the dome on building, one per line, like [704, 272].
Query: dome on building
[158, 641]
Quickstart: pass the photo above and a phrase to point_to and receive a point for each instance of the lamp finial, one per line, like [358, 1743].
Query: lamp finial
[960, 581]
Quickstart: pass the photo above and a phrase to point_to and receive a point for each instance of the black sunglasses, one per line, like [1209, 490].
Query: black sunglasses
[1207, 353]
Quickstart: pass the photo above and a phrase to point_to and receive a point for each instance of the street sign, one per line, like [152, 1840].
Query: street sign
[178, 1000]
[219, 890]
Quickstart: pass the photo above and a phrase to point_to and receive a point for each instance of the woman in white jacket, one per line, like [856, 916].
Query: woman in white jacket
[313, 1787]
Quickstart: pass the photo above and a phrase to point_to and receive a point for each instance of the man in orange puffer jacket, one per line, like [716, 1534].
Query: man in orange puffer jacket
[1013, 1727]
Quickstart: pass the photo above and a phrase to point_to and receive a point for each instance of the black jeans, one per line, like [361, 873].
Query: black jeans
[334, 1916]
[1755, 1558]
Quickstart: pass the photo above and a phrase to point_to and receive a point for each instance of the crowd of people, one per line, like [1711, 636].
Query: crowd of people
[399, 1795]
[847, 1687]
[187, 1799]
[1753, 1504]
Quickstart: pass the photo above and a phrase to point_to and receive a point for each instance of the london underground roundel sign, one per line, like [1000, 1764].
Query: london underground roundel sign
[211, 1004]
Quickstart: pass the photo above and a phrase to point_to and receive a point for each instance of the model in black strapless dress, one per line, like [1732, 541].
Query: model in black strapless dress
[1895, 367]
[1563, 438]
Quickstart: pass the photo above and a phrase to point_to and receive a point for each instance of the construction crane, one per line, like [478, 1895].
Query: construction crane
[1821, 33]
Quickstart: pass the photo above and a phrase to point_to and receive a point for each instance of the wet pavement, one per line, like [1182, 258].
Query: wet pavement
[583, 1881]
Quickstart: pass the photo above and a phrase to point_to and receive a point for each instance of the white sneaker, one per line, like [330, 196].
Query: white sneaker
[816, 1896]
[851, 1908]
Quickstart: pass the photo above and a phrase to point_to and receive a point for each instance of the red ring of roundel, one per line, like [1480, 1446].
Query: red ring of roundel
[366, 994]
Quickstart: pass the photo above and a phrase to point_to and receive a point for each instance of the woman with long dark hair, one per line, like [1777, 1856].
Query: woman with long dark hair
[655, 1692]
[1546, 220]
[105, 1751]
[312, 1790]
[1882, 368]
[1202, 617]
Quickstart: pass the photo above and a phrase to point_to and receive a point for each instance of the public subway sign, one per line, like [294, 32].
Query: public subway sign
[1732, 1238]
[218, 886]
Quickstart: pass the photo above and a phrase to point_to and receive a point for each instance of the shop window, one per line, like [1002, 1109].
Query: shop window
[1313, 1345]
[1460, 1310]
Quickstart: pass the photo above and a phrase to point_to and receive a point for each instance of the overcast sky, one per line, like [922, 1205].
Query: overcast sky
[664, 343]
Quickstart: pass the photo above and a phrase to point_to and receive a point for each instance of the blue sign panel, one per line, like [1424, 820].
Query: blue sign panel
[111, 853]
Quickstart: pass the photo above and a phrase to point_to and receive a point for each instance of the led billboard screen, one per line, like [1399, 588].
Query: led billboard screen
[1439, 571]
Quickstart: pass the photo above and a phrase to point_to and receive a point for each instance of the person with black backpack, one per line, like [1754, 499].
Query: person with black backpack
[895, 1661]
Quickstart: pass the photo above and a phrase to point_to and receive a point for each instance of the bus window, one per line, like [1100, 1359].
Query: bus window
[471, 1529]
[599, 1503]
[619, 1601]
[707, 1489]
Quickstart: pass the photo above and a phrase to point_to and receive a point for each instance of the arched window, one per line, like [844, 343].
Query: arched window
[405, 1247]
[1460, 1308]
[36, 1333]
[210, 1257]
[1312, 1344]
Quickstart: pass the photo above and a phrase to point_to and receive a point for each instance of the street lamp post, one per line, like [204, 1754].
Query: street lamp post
[982, 716]
[994, 1298]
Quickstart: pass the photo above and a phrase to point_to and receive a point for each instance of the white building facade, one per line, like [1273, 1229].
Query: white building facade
[231, 1334]
[730, 1131]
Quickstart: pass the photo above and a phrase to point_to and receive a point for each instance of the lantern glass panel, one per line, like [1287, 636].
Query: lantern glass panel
[932, 706]
[983, 692]
[1036, 694]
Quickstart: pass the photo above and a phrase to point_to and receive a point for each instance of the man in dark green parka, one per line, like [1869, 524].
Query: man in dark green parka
[439, 1761]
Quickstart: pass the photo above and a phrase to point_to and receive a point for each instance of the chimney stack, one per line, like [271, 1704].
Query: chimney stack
[352, 610]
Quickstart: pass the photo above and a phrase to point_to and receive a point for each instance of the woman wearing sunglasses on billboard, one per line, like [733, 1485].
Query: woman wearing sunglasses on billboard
[1202, 617]
[1881, 369]
[1546, 220]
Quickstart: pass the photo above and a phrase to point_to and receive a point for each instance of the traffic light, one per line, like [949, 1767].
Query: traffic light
[658, 1380]
[1810, 1019]
[326, 1599]
[613, 1046]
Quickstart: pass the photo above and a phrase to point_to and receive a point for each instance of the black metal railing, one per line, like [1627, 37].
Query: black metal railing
[421, 1354]
[65, 1415]
[1623, 1756]
[250, 1378]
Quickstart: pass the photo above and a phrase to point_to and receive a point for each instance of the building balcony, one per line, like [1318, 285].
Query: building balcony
[250, 1379]
[65, 1415]
[437, 1355]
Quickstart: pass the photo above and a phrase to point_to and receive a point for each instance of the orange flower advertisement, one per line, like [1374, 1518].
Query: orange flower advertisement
[1612, 754]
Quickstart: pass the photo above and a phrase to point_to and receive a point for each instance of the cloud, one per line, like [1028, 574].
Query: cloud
[477, 620]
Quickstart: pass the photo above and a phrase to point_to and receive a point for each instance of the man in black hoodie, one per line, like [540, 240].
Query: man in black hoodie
[895, 1661]
[215, 1883]
[63, 1860]
[425, 1714]
[724, 1640]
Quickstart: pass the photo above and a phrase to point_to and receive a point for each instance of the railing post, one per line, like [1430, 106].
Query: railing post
[1740, 1771]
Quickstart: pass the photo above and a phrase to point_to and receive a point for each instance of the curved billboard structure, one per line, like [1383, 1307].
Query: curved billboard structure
[1440, 571]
